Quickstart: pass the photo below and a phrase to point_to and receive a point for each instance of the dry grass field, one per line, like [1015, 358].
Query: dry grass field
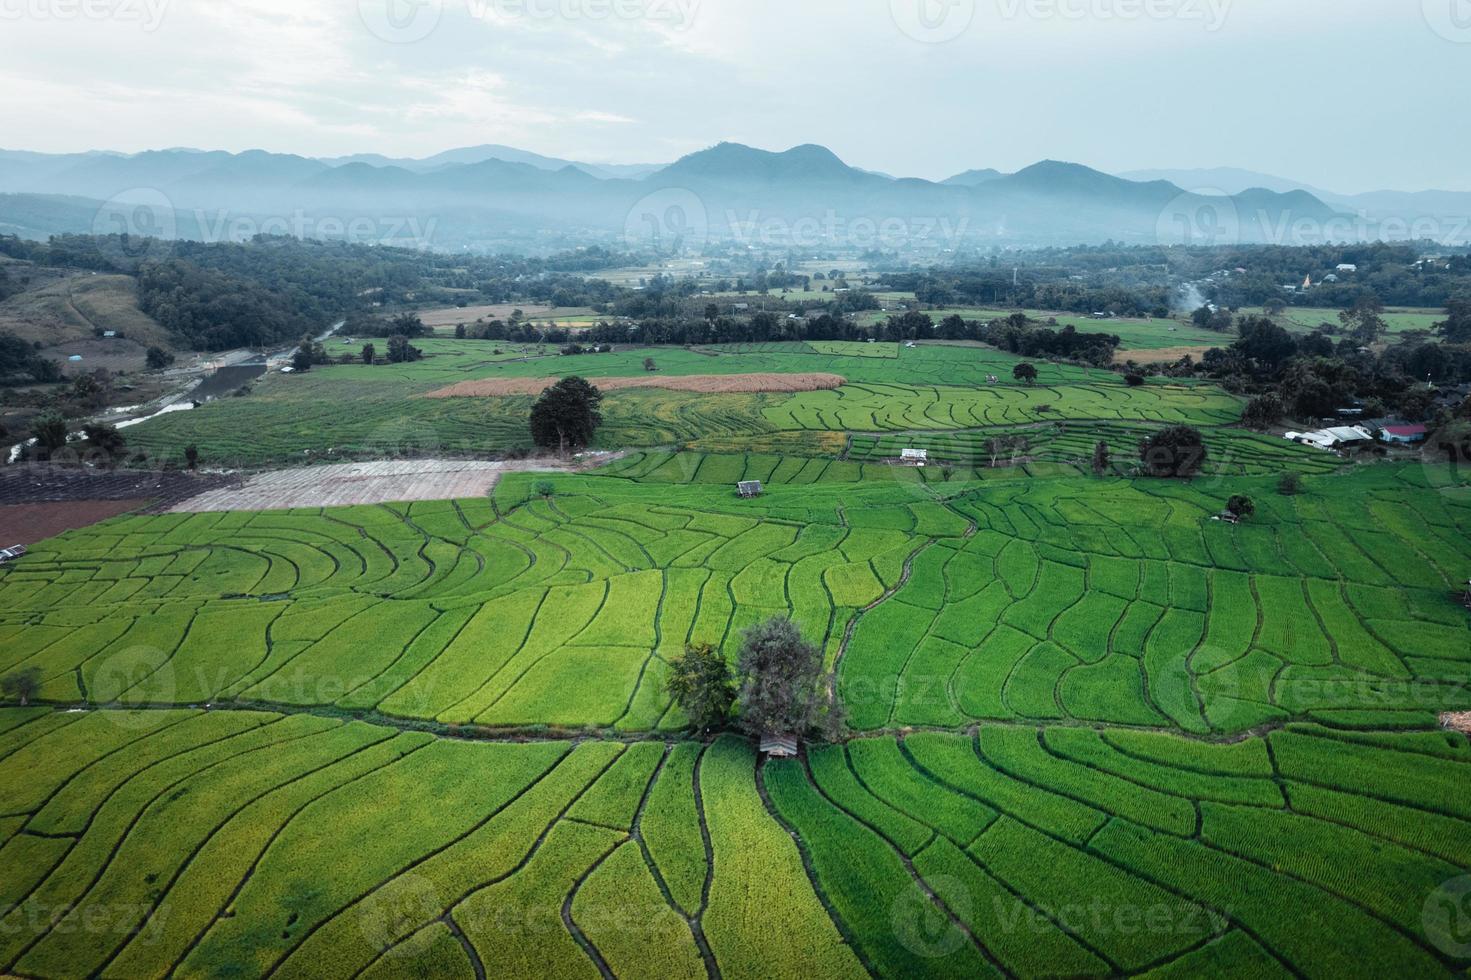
[64, 314]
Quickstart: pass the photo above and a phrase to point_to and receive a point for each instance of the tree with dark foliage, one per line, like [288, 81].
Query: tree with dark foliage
[157, 358]
[1178, 451]
[370, 354]
[400, 351]
[783, 689]
[1262, 412]
[106, 440]
[566, 415]
[49, 431]
[22, 685]
[1025, 373]
[1241, 507]
[1102, 459]
[701, 684]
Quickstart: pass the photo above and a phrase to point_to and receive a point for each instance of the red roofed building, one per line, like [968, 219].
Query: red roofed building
[1403, 434]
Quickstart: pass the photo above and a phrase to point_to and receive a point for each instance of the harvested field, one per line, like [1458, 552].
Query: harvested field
[449, 316]
[348, 484]
[29, 523]
[725, 384]
[1458, 721]
[41, 483]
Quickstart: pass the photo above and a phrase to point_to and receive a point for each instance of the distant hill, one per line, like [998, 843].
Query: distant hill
[1451, 208]
[974, 178]
[494, 151]
[497, 196]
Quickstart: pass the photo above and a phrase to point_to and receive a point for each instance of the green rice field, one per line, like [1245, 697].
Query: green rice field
[358, 411]
[1091, 729]
[193, 843]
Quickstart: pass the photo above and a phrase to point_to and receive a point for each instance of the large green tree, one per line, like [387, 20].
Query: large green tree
[701, 684]
[566, 415]
[783, 689]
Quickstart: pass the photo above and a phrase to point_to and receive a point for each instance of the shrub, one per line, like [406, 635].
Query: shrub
[1290, 485]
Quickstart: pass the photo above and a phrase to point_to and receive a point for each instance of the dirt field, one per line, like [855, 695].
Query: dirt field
[348, 484]
[450, 316]
[29, 523]
[707, 384]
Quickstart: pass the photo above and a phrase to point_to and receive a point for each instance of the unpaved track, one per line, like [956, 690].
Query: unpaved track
[349, 484]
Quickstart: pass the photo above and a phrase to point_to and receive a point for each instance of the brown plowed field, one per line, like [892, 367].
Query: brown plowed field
[29, 523]
[707, 384]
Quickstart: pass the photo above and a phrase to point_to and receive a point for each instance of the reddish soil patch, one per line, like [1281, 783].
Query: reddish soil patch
[707, 384]
[29, 523]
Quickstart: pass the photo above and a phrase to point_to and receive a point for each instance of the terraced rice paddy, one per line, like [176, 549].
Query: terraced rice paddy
[1093, 731]
[359, 411]
[190, 843]
[1116, 602]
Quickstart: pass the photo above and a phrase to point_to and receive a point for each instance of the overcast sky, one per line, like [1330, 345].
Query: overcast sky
[1350, 96]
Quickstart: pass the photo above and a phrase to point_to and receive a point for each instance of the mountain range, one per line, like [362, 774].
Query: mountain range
[489, 195]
